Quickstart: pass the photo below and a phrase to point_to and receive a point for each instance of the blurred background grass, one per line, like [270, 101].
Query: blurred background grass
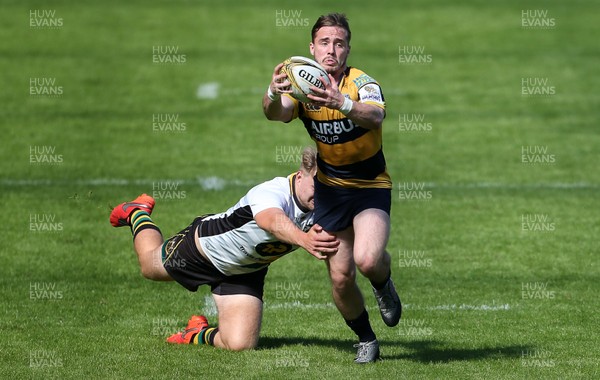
[470, 162]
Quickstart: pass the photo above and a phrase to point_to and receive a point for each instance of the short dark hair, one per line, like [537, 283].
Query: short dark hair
[332, 19]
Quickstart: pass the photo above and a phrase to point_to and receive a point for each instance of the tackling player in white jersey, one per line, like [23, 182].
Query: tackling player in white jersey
[231, 251]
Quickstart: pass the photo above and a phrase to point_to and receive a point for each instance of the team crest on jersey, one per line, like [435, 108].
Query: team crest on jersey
[274, 248]
[363, 79]
[311, 107]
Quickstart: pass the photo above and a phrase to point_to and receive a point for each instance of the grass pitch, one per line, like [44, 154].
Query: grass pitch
[491, 138]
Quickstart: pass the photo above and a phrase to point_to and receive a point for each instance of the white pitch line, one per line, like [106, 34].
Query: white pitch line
[218, 183]
[449, 307]
[206, 183]
[463, 306]
[213, 90]
[210, 308]
[214, 182]
[500, 185]
[299, 305]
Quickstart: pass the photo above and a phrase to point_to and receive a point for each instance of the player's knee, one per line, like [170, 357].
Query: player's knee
[151, 268]
[368, 264]
[240, 344]
[149, 272]
[341, 281]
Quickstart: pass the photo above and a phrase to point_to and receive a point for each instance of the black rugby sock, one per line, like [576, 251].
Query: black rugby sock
[206, 336]
[381, 285]
[140, 220]
[362, 327]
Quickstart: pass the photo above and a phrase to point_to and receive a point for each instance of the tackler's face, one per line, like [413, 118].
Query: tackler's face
[330, 48]
[305, 189]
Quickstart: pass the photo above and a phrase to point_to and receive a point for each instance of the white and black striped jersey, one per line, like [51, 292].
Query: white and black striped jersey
[233, 241]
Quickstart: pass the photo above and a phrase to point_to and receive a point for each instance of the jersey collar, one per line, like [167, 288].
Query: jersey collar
[292, 178]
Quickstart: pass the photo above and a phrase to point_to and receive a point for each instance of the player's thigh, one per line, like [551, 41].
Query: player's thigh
[158, 266]
[240, 318]
[152, 265]
[341, 264]
[371, 233]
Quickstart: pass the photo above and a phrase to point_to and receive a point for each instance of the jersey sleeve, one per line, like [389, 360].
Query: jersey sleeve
[369, 91]
[263, 197]
[296, 106]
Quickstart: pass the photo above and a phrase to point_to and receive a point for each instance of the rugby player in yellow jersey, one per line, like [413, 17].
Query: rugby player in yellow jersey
[352, 186]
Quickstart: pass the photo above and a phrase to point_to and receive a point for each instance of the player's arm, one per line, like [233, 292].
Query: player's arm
[317, 242]
[368, 116]
[275, 106]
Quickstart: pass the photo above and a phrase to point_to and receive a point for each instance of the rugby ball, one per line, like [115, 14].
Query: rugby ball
[303, 73]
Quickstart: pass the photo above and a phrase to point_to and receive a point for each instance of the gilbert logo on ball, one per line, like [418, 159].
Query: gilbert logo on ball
[303, 73]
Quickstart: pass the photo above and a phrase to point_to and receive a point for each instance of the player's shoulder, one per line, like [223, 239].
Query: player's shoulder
[359, 78]
[279, 183]
[274, 193]
[278, 186]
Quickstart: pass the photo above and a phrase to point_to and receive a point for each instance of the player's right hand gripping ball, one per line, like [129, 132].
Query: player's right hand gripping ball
[303, 73]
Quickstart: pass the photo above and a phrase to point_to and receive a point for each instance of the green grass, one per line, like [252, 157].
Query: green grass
[466, 315]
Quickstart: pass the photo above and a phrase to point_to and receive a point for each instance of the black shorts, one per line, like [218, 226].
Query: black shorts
[336, 207]
[189, 268]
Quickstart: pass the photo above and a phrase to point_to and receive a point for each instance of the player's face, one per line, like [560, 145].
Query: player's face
[305, 189]
[330, 48]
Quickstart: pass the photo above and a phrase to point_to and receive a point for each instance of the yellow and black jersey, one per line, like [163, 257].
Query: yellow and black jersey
[349, 156]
